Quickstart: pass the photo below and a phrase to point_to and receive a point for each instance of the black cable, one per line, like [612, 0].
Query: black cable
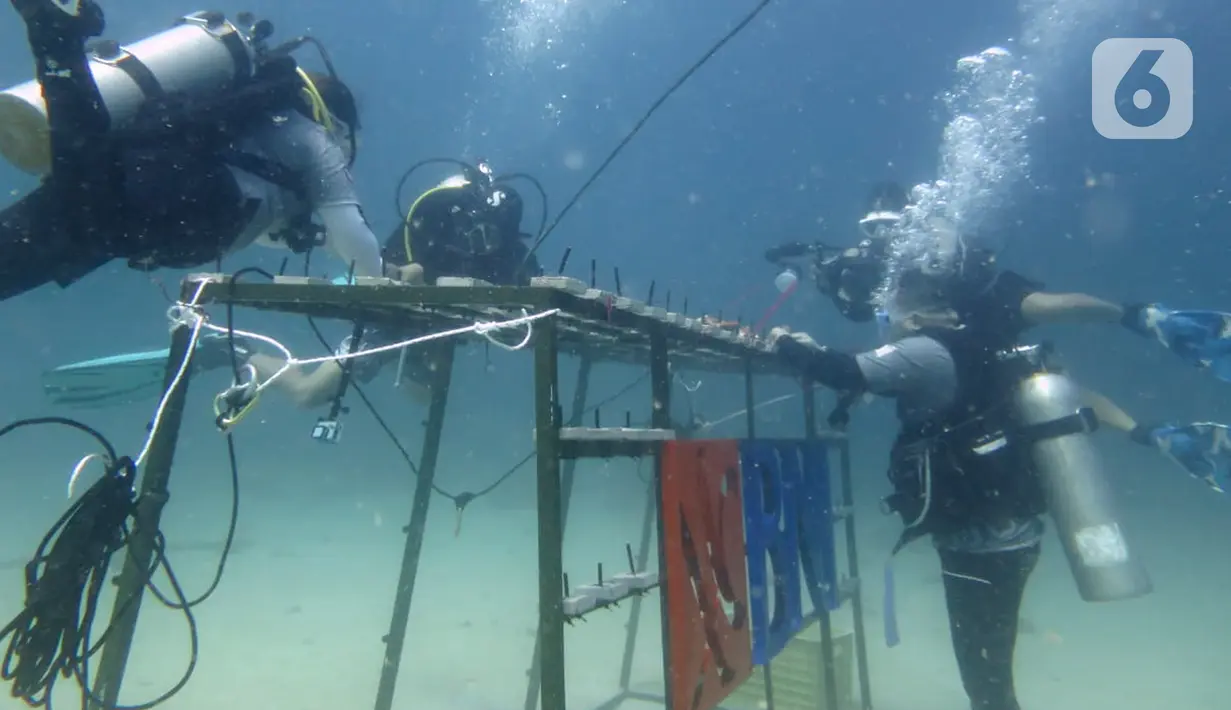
[537, 186]
[194, 645]
[51, 636]
[615, 152]
[230, 311]
[459, 500]
[232, 461]
[227, 544]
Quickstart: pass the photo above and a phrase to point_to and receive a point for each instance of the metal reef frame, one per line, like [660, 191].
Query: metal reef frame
[556, 462]
[548, 673]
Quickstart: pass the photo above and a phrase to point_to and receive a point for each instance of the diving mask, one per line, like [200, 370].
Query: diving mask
[878, 224]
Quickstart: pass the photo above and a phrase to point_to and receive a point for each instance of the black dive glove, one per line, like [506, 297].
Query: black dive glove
[1144, 434]
[1134, 318]
[823, 365]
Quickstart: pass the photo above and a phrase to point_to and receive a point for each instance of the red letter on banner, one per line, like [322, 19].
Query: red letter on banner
[703, 542]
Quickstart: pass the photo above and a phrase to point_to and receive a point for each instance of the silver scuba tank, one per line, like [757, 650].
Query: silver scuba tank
[202, 54]
[1080, 501]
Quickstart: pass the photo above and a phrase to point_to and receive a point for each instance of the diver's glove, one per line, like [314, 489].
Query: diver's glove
[1203, 449]
[778, 335]
[1136, 318]
[214, 351]
[819, 363]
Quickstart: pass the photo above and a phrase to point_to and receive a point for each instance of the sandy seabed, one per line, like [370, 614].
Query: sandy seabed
[307, 596]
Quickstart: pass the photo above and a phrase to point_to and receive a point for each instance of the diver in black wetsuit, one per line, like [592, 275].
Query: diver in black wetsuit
[189, 178]
[468, 226]
[949, 365]
[964, 471]
[465, 226]
[850, 276]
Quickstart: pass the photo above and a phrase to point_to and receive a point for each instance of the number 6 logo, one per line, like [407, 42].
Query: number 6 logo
[1142, 88]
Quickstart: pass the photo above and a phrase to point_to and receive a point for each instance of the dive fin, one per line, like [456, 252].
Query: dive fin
[1202, 338]
[107, 381]
[1203, 449]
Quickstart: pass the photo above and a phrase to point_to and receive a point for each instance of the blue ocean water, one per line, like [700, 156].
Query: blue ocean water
[777, 138]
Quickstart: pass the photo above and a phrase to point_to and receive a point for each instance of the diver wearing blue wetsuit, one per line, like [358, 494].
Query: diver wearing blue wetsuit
[188, 180]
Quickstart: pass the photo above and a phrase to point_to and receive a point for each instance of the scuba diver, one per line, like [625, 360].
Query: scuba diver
[1004, 304]
[991, 438]
[850, 277]
[467, 226]
[175, 151]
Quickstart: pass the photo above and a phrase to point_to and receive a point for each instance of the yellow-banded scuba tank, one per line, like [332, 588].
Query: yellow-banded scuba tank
[1079, 498]
[201, 54]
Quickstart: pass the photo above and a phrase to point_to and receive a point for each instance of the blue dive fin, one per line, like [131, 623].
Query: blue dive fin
[107, 381]
[1203, 449]
[1202, 338]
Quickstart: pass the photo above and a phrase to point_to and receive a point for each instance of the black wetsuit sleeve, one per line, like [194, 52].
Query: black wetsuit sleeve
[827, 367]
[1003, 302]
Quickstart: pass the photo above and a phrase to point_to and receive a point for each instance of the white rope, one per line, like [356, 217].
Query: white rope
[190, 315]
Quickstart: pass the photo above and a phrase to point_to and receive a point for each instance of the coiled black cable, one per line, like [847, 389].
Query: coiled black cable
[51, 637]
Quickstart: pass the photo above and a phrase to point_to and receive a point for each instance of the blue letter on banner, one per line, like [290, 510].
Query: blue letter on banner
[771, 529]
[814, 501]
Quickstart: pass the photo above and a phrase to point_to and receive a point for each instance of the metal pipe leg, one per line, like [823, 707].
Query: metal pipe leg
[130, 586]
[550, 507]
[829, 669]
[580, 393]
[643, 558]
[852, 566]
[396, 638]
[660, 393]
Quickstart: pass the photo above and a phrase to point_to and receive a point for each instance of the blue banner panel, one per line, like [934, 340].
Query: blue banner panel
[771, 535]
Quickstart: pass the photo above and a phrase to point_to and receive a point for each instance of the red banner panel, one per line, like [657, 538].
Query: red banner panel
[708, 634]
